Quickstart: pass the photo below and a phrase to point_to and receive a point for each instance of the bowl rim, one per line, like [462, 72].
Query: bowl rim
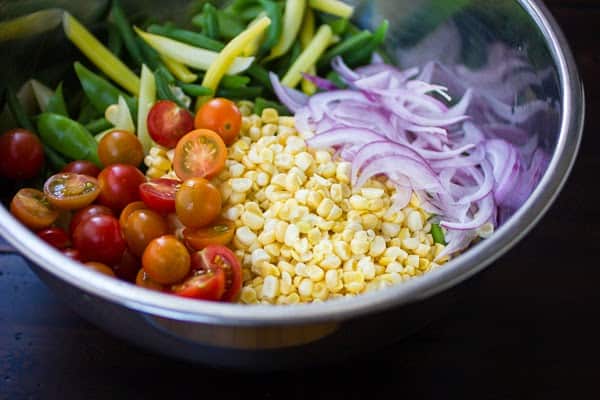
[457, 270]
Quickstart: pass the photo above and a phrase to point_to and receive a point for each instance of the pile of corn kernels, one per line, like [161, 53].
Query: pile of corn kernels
[303, 234]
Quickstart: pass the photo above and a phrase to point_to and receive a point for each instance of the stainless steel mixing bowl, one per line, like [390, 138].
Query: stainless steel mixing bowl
[451, 31]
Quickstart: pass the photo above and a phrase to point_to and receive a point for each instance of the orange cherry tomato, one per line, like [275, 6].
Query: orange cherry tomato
[120, 147]
[222, 116]
[166, 260]
[128, 210]
[142, 227]
[221, 232]
[197, 203]
[68, 191]
[99, 267]
[199, 154]
[32, 208]
[142, 279]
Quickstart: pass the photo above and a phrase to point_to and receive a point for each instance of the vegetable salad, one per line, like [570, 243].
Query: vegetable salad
[267, 155]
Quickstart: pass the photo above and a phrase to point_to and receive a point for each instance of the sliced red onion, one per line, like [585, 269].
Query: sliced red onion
[343, 136]
[484, 213]
[292, 99]
[321, 83]
[343, 71]
[506, 166]
[320, 104]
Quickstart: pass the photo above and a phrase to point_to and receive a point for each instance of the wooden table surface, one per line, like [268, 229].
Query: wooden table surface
[525, 328]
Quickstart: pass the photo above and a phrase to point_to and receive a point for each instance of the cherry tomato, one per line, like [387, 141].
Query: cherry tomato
[33, 209]
[166, 260]
[131, 207]
[119, 185]
[82, 167]
[209, 285]
[198, 203]
[222, 116]
[199, 154]
[99, 238]
[142, 227]
[100, 267]
[167, 123]
[68, 191]
[128, 267]
[120, 147]
[55, 237]
[88, 212]
[214, 257]
[73, 254]
[159, 194]
[21, 154]
[142, 279]
[221, 232]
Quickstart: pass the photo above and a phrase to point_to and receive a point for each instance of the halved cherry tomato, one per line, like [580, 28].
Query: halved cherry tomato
[32, 208]
[127, 211]
[209, 285]
[68, 191]
[55, 237]
[73, 254]
[167, 123]
[21, 154]
[166, 260]
[198, 203]
[142, 279]
[159, 194]
[100, 267]
[128, 267]
[199, 154]
[221, 232]
[88, 212]
[222, 116]
[142, 227]
[82, 167]
[120, 147]
[119, 185]
[99, 238]
[214, 257]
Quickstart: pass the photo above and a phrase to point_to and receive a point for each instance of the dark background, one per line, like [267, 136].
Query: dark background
[524, 328]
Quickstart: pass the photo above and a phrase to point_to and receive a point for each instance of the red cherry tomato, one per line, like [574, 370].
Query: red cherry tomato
[214, 257]
[119, 185]
[73, 254]
[99, 239]
[128, 267]
[222, 116]
[82, 167]
[88, 212]
[55, 237]
[167, 123]
[120, 147]
[68, 191]
[159, 194]
[33, 209]
[21, 154]
[199, 154]
[209, 285]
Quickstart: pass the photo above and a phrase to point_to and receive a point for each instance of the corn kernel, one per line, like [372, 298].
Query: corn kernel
[266, 155]
[284, 161]
[410, 243]
[412, 261]
[322, 156]
[360, 243]
[305, 287]
[259, 255]
[270, 288]
[372, 193]
[366, 266]
[252, 220]
[331, 262]
[314, 199]
[270, 116]
[315, 273]
[354, 281]
[291, 235]
[377, 246]
[333, 281]
[414, 221]
[248, 295]
[314, 236]
[343, 171]
[342, 250]
[303, 161]
[486, 230]
[292, 182]
[293, 298]
[269, 130]
[395, 267]
[295, 145]
[327, 170]
[325, 207]
[272, 249]
[358, 202]
[285, 132]
[245, 236]
[422, 250]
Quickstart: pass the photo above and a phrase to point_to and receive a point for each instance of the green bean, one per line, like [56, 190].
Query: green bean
[242, 93]
[87, 112]
[275, 12]
[234, 81]
[163, 88]
[114, 42]
[238, 6]
[194, 90]
[229, 25]
[68, 137]
[349, 45]
[100, 92]
[124, 27]
[260, 74]
[335, 78]
[98, 125]
[364, 54]
[17, 110]
[251, 12]
[211, 21]
[438, 234]
[288, 60]
[188, 37]
[260, 104]
[54, 159]
[56, 103]
[339, 26]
